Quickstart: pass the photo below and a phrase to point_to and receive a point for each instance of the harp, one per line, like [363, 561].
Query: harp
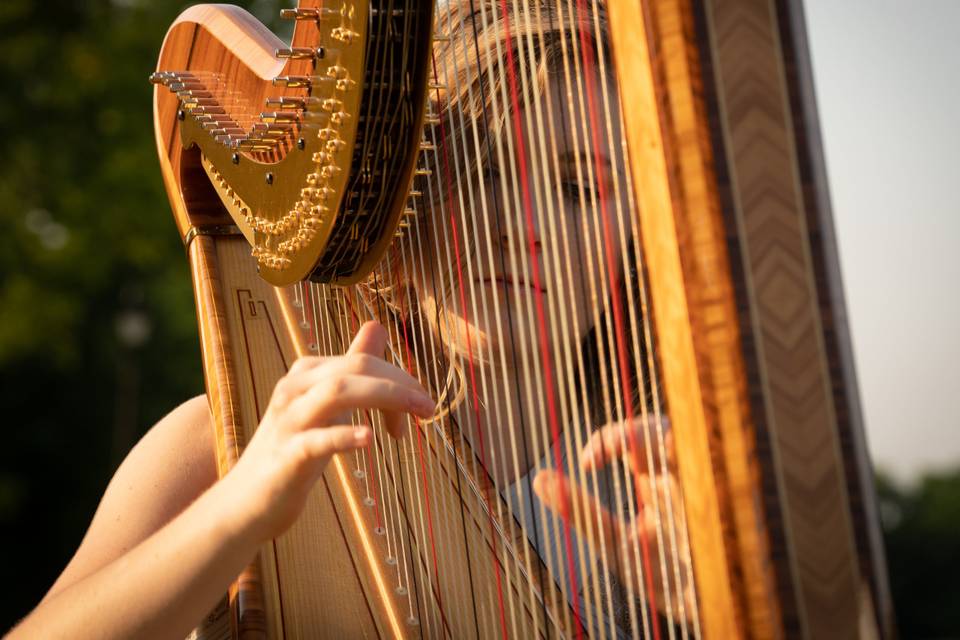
[584, 224]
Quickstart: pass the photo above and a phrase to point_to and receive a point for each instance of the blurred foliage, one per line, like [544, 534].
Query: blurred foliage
[922, 535]
[97, 328]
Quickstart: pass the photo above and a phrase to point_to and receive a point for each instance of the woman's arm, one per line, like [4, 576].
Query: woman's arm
[164, 586]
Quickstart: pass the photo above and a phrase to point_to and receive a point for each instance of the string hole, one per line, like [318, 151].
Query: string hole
[301, 144]
[391, 560]
[359, 474]
[412, 621]
[369, 502]
[379, 531]
[235, 158]
[269, 178]
[401, 591]
[312, 346]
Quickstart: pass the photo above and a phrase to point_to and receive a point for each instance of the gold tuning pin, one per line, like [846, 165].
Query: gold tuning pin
[279, 117]
[293, 82]
[308, 14]
[256, 144]
[285, 102]
[300, 53]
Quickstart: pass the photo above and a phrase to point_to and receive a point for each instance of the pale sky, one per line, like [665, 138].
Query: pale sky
[887, 76]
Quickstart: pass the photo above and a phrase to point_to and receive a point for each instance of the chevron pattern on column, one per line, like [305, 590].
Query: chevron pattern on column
[782, 298]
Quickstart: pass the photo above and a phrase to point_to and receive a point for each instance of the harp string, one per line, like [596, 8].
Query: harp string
[587, 54]
[408, 320]
[644, 566]
[429, 587]
[587, 202]
[549, 165]
[531, 412]
[481, 410]
[664, 481]
[492, 399]
[516, 423]
[535, 112]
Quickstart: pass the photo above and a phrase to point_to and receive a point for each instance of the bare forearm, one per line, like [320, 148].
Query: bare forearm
[160, 589]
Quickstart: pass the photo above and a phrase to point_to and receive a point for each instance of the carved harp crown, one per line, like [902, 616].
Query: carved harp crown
[599, 233]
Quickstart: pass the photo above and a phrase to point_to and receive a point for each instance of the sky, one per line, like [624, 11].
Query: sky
[887, 77]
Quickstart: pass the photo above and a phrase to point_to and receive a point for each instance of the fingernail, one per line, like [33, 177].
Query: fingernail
[423, 405]
[360, 435]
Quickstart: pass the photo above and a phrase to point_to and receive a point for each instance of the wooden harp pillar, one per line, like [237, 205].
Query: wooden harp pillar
[731, 188]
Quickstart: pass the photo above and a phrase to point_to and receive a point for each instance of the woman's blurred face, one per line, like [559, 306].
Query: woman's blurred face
[537, 263]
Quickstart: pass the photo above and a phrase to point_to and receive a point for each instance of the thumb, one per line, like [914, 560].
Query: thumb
[370, 339]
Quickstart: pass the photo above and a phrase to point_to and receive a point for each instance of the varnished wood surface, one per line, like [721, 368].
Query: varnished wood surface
[702, 474]
[718, 170]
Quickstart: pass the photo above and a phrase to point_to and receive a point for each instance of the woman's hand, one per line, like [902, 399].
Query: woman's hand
[628, 442]
[308, 420]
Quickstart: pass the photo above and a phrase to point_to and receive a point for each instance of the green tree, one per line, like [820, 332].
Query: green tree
[97, 326]
[922, 535]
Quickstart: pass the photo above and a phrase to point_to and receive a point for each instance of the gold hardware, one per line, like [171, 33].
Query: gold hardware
[293, 82]
[279, 117]
[308, 14]
[343, 34]
[285, 102]
[299, 53]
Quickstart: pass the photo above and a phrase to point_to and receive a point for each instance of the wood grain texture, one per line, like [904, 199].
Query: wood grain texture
[766, 213]
[718, 168]
[702, 475]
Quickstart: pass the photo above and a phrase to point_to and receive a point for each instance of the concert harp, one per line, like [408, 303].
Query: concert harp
[587, 226]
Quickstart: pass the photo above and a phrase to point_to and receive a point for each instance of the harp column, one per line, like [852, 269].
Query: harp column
[749, 325]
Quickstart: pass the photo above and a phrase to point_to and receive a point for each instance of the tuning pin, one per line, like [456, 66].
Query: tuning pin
[285, 102]
[279, 117]
[308, 14]
[427, 146]
[300, 53]
[185, 85]
[293, 82]
[253, 144]
[193, 93]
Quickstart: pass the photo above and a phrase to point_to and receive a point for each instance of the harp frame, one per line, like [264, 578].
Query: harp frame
[786, 542]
